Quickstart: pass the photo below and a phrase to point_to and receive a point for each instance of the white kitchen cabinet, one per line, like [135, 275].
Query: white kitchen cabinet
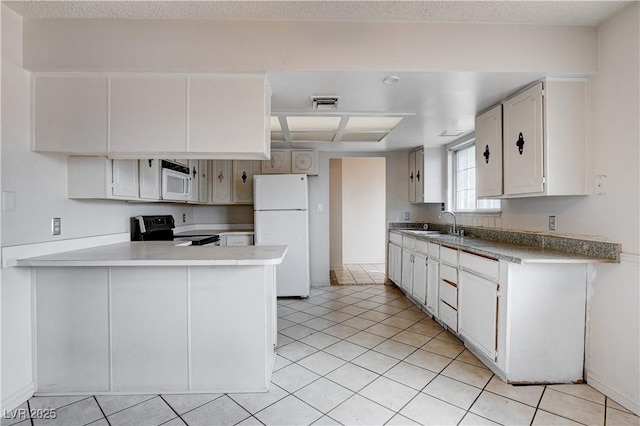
[433, 282]
[101, 178]
[147, 114]
[280, 162]
[221, 178]
[545, 139]
[395, 263]
[419, 290]
[69, 113]
[406, 280]
[412, 176]
[489, 153]
[237, 240]
[203, 180]
[150, 179]
[478, 312]
[427, 175]
[242, 186]
[448, 293]
[304, 161]
[230, 115]
[194, 169]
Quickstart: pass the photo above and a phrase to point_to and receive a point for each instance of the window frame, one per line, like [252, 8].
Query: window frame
[452, 201]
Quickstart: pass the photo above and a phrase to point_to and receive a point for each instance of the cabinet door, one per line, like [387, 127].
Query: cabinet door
[150, 179]
[194, 169]
[523, 142]
[304, 161]
[203, 181]
[420, 278]
[397, 258]
[419, 177]
[489, 153]
[148, 114]
[478, 312]
[125, 178]
[238, 240]
[406, 282]
[412, 177]
[391, 267]
[280, 162]
[243, 181]
[70, 114]
[221, 181]
[433, 282]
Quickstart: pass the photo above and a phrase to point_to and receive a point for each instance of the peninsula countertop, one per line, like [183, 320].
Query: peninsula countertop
[161, 253]
[515, 253]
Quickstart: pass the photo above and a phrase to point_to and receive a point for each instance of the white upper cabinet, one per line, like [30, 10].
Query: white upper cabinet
[150, 179]
[221, 179]
[230, 115]
[127, 115]
[489, 153]
[523, 142]
[69, 113]
[242, 187]
[147, 114]
[280, 162]
[545, 140]
[203, 181]
[304, 161]
[427, 175]
[194, 169]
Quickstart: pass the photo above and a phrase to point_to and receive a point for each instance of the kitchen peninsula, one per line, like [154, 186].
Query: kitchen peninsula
[155, 317]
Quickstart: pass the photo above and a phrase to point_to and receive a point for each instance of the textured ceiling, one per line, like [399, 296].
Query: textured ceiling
[588, 13]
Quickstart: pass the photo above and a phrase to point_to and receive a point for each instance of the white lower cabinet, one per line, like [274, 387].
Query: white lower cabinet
[478, 312]
[419, 290]
[406, 280]
[395, 263]
[236, 240]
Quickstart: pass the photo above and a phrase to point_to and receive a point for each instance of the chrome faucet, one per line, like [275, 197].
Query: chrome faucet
[454, 230]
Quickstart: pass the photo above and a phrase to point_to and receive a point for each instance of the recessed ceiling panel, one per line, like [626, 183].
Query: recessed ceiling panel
[313, 123]
[372, 124]
[312, 136]
[363, 137]
[275, 124]
[277, 136]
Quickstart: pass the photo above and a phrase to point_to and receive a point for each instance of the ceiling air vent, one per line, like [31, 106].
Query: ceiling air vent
[325, 103]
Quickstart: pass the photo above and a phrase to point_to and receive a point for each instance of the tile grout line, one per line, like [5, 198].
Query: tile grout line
[101, 410]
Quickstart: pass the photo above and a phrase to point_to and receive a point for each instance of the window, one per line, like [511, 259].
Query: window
[464, 182]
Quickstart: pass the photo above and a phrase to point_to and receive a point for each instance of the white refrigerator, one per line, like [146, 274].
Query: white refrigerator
[281, 217]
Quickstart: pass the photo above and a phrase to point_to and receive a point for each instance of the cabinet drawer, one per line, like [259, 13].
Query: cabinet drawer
[238, 240]
[408, 242]
[434, 250]
[421, 247]
[488, 268]
[449, 255]
[449, 316]
[449, 294]
[448, 273]
[395, 238]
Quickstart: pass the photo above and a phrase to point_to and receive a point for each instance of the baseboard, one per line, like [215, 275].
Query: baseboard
[16, 399]
[619, 397]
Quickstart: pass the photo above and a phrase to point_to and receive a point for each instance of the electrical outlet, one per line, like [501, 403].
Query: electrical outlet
[184, 217]
[600, 184]
[552, 223]
[407, 216]
[56, 226]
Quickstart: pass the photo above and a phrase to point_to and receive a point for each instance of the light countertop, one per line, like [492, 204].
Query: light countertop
[161, 253]
[515, 253]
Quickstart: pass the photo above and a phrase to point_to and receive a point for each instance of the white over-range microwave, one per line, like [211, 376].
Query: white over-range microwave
[176, 181]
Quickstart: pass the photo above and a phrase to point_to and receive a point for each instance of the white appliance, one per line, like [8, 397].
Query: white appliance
[281, 217]
[176, 181]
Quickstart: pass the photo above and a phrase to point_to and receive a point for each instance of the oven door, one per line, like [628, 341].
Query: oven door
[175, 185]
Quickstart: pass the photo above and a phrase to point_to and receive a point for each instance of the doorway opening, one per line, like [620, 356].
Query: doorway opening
[357, 220]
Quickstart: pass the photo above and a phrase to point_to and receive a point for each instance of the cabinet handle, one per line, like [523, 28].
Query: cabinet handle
[520, 143]
[418, 175]
[150, 163]
[221, 176]
[194, 173]
[244, 177]
[273, 163]
[411, 177]
[486, 154]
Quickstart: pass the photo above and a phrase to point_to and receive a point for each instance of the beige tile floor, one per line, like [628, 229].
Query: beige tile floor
[368, 273]
[356, 355]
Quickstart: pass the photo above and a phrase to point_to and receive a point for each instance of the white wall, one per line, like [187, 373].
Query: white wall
[363, 210]
[335, 213]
